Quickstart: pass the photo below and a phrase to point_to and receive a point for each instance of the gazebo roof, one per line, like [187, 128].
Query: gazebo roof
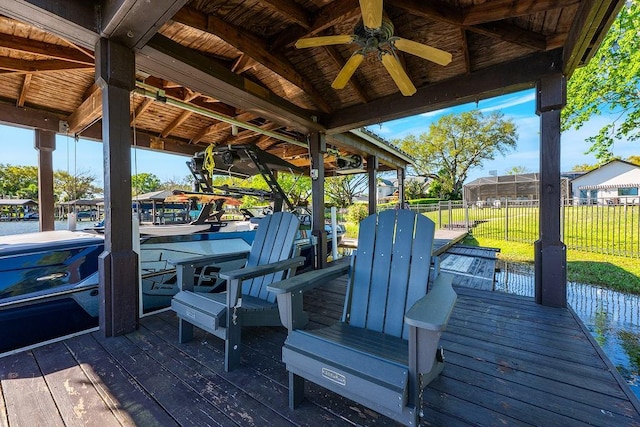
[221, 72]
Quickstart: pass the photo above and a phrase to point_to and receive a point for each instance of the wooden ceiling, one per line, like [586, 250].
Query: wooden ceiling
[218, 59]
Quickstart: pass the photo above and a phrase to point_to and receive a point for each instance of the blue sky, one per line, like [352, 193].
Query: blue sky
[17, 144]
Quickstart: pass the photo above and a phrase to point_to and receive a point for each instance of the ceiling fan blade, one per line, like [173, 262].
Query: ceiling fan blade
[371, 13]
[394, 68]
[347, 71]
[323, 41]
[423, 51]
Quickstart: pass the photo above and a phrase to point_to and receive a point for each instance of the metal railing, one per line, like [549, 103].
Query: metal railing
[601, 226]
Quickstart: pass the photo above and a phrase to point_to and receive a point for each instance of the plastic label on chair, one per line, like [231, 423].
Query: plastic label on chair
[334, 376]
[190, 313]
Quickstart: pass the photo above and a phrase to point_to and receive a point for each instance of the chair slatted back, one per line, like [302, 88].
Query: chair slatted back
[390, 270]
[274, 241]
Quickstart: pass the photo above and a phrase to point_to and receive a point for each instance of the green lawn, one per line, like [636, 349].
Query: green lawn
[614, 272]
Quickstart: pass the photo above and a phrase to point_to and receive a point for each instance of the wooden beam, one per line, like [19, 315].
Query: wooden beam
[133, 22]
[174, 90]
[485, 83]
[246, 134]
[30, 117]
[243, 63]
[513, 34]
[45, 143]
[550, 252]
[289, 9]
[54, 51]
[144, 106]
[465, 50]
[587, 28]
[23, 91]
[175, 123]
[355, 144]
[317, 148]
[453, 16]
[22, 66]
[118, 264]
[74, 20]
[219, 127]
[169, 60]
[498, 10]
[253, 46]
[87, 113]
[328, 16]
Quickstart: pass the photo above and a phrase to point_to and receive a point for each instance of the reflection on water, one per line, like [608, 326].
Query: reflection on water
[612, 317]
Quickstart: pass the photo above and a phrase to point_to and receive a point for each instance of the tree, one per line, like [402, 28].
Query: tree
[609, 82]
[73, 187]
[177, 183]
[144, 183]
[341, 190]
[414, 188]
[19, 181]
[456, 144]
[634, 159]
[584, 167]
[517, 170]
[296, 187]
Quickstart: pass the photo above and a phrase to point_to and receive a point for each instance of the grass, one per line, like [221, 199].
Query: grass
[609, 271]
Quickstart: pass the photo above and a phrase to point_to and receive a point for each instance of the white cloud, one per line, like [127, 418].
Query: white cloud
[508, 102]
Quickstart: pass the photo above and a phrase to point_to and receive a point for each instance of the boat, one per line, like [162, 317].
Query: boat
[51, 278]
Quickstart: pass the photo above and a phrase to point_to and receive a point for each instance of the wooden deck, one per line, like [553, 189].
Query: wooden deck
[509, 362]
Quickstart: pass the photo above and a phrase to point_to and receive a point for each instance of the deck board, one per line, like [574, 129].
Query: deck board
[509, 362]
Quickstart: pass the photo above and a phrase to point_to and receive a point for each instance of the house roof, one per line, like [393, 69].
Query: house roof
[606, 165]
[227, 72]
[17, 202]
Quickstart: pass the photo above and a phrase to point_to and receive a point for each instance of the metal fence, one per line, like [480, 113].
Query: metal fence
[600, 226]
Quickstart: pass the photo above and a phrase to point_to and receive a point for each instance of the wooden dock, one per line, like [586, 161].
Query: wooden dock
[509, 362]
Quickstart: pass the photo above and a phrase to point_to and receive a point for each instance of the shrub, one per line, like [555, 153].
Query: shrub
[357, 212]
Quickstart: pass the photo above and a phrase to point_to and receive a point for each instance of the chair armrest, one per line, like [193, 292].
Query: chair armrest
[261, 270]
[204, 260]
[309, 279]
[432, 311]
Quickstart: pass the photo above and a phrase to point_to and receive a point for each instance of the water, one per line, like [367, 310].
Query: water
[20, 227]
[613, 318]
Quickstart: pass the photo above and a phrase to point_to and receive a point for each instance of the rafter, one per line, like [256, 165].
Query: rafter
[244, 135]
[498, 30]
[36, 47]
[219, 127]
[21, 66]
[498, 10]
[512, 34]
[175, 123]
[144, 106]
[328, 16]
[289, 9]
[87, 113]
[182, 93]
[252, 46]
[23, 91]
[243, 63]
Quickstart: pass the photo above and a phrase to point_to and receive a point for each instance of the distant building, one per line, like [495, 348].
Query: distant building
[614, 182]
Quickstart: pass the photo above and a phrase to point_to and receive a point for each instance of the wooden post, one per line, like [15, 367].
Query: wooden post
[401, 174]
[550, 252]
[372, 171]
[118, 264]
[45, 143]
[317, 148]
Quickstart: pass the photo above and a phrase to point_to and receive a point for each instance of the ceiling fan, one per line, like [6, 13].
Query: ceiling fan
[374, 35]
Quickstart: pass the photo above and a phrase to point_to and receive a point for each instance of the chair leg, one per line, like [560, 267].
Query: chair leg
[296, 390]
[185, 331]
[232, 347]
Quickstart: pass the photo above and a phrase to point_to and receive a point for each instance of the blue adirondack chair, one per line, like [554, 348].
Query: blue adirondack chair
[384, 351]
[246, 302]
